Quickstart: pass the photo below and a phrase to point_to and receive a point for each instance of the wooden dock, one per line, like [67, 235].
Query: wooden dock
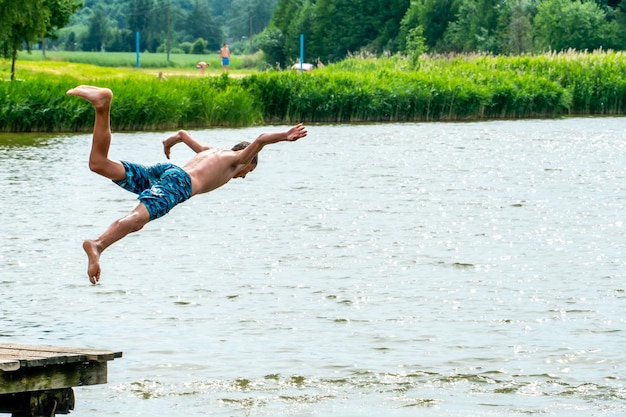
[37, 381]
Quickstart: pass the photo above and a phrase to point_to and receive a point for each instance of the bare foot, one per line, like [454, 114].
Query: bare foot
[93, 255]
[98, 97]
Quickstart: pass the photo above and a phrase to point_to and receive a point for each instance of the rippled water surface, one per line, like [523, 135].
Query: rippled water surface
[470, 269]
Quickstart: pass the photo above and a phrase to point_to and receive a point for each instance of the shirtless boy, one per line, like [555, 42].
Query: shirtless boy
[162, 186]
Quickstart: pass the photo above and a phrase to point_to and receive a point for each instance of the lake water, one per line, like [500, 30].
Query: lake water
[457, 269]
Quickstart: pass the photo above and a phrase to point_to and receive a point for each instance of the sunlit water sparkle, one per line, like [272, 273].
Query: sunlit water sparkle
[466, 269]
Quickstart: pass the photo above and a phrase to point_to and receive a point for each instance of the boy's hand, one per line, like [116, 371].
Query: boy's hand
[296, 132]
[167, 147]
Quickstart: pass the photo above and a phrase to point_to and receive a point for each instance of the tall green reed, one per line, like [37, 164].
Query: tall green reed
[39, 103]
[357, 90]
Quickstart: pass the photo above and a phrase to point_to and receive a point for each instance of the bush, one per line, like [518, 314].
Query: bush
[199, 47]
[186, 47]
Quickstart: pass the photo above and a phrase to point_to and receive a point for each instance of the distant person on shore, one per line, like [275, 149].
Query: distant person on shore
[202, 66]
[225, 55]
[162, 186]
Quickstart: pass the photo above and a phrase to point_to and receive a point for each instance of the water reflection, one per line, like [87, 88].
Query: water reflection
[11, 140]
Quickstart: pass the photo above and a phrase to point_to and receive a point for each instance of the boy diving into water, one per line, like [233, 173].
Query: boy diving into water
[162, 186]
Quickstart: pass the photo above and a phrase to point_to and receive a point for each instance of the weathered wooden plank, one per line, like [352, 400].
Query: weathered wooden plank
[36, 358]
[94, 354]
[53, 377]
[36, 355]
[26, 362]
[28, 351]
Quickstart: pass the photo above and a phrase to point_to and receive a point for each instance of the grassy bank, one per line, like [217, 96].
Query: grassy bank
[355, 90]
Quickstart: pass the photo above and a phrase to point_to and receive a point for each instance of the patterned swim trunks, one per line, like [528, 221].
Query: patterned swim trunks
[159, 187]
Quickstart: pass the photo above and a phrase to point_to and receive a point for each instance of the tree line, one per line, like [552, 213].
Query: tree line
[177, 26]
[337, 28]
[333, 29]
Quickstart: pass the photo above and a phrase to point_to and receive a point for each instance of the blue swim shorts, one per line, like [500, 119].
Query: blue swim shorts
[225, 61]
[159, 187]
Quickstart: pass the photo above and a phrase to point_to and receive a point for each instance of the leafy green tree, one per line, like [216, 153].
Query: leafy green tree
[249, 17]
[434, 16]
[348, 26]
[61, 12]
[332, 28]
[565, 24]
[409, 21]
[121, 40]
[301, 24]
[158, 25]
[384, 17]
[610, 6]
[138, 17]
[138, 14]
[284, 12]
[476, 27]
[70, 43]
[13, 12]
[516, 34]
[272, 39]
[166, 16]
[22, 22]
[415, 45]
[616, 29]
[164, 24]
[98, 32]
[199, 24]
[152, 19]
[25, 22]
[341, 28]
[221, 8]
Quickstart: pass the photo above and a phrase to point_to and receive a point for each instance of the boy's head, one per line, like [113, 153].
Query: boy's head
[251, 166]
[244, 145]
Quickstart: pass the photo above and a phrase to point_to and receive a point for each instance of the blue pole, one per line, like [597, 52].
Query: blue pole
[301, 51]
[137, 46]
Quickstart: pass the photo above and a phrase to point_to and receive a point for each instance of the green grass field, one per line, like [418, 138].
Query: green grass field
[159, 61]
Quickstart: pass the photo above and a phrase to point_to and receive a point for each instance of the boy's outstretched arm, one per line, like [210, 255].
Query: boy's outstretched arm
[246, 155]
[183, 136]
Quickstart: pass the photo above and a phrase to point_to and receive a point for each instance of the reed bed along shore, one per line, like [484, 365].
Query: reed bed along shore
[476, 87]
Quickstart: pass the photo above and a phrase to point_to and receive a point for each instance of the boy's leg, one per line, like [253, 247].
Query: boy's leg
[99, 162]
[132, 222]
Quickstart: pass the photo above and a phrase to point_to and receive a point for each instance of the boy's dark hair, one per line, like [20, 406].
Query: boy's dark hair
[244, 145]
